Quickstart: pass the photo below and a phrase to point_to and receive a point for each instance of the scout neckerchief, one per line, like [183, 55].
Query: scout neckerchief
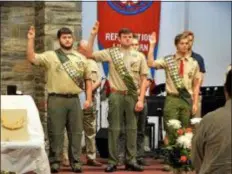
[122, 71]
[74, 74]
[177, 80]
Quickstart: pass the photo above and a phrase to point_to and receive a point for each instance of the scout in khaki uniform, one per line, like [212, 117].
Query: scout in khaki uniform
[127, 73]
[90, 117]
[182, 82]
[66, 72]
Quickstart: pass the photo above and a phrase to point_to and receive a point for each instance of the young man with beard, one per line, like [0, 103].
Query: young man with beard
[182, 82]
[127, 73]
[90, 114]
[66, 71]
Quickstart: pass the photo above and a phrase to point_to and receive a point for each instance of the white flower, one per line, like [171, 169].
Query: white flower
[189, 135]
[185, 140]
[195, 120]
[176, 124]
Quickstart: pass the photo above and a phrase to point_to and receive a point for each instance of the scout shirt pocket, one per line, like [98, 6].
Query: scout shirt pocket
[80, 66]
[58, 66]
[135, 69]
[134, 66]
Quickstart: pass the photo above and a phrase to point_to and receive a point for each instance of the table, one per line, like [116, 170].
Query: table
[23, 157]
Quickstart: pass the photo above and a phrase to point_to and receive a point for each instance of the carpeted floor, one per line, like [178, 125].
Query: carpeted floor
[154, 168]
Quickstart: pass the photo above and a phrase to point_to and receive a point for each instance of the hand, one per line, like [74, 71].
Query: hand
[139, 106]
[194, 109]
[31, 33]
[87, 104]
[152, 39]
[87, 53]
[95, 28]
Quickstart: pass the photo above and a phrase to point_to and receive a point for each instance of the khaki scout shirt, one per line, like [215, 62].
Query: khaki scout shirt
[58, 81]
[191, 72]
[95, 72]
[134, 61]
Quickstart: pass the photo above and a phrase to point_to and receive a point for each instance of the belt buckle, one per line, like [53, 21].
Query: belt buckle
[124, 92]
[69, 95]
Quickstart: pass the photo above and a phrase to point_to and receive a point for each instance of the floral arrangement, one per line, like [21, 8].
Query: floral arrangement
[179, 146]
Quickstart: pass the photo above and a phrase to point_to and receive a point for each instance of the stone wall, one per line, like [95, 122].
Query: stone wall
[47, 17]
[14, 26]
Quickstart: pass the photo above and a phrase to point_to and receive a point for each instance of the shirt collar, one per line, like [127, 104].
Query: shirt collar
[126, 50]
[179, 57]
[71, 51]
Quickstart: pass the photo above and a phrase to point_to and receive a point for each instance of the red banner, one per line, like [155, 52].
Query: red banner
[142, 17]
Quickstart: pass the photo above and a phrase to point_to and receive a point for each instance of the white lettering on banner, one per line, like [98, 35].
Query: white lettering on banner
[111, 36]
[114, 36]
[143, 37]
[143, 47]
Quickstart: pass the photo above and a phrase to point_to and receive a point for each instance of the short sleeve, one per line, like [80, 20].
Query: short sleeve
[98, 74]
[143, 67]
[42, 59]
[87, 72]
[159, 63]
[102, 56]
[95, 71]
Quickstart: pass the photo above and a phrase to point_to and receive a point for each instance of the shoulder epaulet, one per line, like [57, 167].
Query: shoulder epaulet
[170, 55]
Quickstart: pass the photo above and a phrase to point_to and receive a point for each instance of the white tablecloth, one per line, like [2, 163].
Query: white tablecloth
[22, 157]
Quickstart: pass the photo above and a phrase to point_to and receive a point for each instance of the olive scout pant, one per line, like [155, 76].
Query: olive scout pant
[89, 120]
[89, 126]
[141, 124]
[64, 113]
[176, 108]
[118, 105]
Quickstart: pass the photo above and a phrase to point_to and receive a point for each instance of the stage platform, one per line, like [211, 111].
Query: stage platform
[154, 168]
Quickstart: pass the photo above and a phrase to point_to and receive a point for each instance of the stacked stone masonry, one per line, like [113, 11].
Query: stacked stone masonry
[47, 17]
